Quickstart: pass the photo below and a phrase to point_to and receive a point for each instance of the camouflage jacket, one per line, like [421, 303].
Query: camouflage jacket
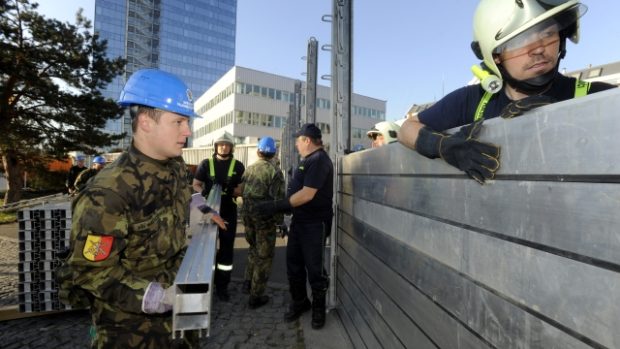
[74, 171]
[83, 177]
[263, 180]
[128, 230]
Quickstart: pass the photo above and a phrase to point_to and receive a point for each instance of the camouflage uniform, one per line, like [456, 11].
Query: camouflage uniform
[263, 181]
[83, 177]
[128, 230]
[74, 171]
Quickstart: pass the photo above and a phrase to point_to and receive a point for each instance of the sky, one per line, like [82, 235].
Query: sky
[404, 51]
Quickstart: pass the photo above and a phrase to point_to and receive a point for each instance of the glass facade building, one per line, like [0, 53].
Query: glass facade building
[194, 39]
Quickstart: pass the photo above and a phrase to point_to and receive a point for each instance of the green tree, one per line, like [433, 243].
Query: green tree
[51, 74]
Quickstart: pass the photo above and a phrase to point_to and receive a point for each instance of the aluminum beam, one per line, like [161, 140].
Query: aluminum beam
[194, 282]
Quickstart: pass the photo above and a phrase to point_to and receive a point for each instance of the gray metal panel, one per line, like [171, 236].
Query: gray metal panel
[551, 140]
[530, 260]
[575, 217]
[422, 310]
[349, 325]
[366, 335]
[479, 311]
[395, 327]
[537, 279]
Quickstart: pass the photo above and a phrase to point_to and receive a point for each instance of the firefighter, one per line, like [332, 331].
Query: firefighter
[222, 169]
[521, 44]
[384, 132]
[128, 236]
[84, 176]
[263, 180]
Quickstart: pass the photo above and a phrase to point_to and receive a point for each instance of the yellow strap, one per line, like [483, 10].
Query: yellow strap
[482, 105]
[581, 88]
[231, 170]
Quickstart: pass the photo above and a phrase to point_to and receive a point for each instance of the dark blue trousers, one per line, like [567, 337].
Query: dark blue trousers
[305, 252]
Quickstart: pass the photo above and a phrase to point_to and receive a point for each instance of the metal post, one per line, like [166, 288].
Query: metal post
[290, 158]
[341, 79]
[311, 77]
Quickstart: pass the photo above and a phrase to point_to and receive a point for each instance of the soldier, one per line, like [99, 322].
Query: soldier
[74, 171]
[263, 180]
[224, 170]
[128, 236]
[84, 176]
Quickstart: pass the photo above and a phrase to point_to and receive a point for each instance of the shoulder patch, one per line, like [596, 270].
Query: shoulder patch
[97, 247]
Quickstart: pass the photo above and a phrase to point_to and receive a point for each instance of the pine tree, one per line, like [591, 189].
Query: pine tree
[51, 75]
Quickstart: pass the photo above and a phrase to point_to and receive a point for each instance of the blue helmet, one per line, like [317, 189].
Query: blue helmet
[99, 160]
[80, 158]
[267, 145]
[158, 89]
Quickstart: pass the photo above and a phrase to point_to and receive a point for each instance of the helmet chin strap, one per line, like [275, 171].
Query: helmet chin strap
[222, 156]
[533, 85]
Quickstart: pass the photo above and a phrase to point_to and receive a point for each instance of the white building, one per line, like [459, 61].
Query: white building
[251, 104]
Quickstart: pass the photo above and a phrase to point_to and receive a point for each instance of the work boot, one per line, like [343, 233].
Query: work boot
[296, 309]
[257, 302]
[299, 301]
[318, 309]
[222, 294]
[247, 286]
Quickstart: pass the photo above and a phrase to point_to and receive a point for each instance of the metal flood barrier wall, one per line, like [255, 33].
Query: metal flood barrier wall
[428, 258]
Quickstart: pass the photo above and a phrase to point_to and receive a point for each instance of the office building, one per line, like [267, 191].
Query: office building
[250, 104]
[194, 39]
[609, 73]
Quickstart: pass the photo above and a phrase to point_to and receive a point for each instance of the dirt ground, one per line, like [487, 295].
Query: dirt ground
[9, 230]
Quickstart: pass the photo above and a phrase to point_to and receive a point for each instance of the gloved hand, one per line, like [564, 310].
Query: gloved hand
[271, 207]
[282, 230]
[479, 160]
[517, 108]
[157, 299]
[211, 215]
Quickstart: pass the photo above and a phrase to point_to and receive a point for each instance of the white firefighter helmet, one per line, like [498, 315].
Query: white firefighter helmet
[501, 25]
[388, 129]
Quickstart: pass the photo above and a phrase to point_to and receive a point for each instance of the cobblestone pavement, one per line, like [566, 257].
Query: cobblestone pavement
[9, 277]
[234, 325]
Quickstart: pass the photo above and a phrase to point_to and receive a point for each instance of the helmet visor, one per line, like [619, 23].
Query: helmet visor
[527, 12]
[545, 33]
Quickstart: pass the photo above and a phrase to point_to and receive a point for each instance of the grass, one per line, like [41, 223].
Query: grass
[8, 217]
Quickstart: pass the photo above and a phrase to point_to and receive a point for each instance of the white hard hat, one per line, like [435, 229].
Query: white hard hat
[388, 129]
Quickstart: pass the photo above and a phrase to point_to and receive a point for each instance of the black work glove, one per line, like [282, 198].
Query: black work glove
[517, 108]
[282, 230]
[477, 159]
[269, 208]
